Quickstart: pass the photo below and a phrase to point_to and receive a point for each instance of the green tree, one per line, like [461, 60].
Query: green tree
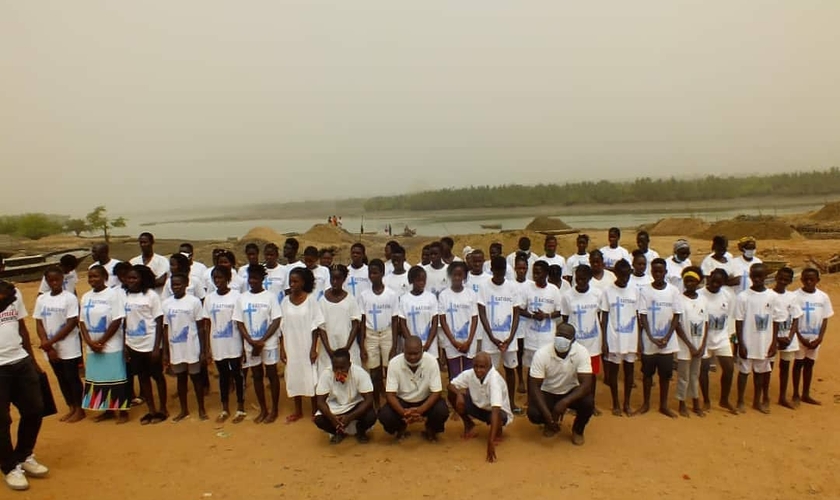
[77, 226]
[99, 221]
[36, 226]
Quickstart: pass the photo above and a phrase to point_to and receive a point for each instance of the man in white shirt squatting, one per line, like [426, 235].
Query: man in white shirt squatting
[412, 391]
[344, 395]
[561, 378]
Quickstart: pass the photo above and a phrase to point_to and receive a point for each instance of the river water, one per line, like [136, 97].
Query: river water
[425, 225]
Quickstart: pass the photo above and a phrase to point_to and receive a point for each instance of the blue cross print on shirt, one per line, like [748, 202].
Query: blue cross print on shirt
[462, 332]
[717, 323]
[87, 307]
[762, 321]
[374, 312]
[352, 284]
[503, 326]
[582, 331]
[542, 326]
[412, 314]
[629, 327]
[696, 329]
[808, 328]
[249, 311]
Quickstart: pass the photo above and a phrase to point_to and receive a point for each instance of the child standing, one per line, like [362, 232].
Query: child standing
[614, 252]
[183, 327]
[660, 308]
[619, 306]
[437, 279]
[357, 274]
[341, 321]
[57, 318]
[720, 307]
[68, 264]
[225, 342]
[458, 307]
[275, 273]
[640, 278]
[397, 279]
[319, 272]
[252, 254]
[602, 278]
[754, 327]
[692, 332]
[740, 266]
[816, 308]
[540, 308]
[677, 262]
[379, 327]
[418, 312]
[578, 258]
[257, 315]
[580, 308]
[789, 314]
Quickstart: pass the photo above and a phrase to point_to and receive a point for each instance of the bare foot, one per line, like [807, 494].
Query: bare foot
[741, 408]
[699, 411]
[707, 406]
[202, 415]
[796, 401]
[786, 404]
[726, 405]
[108, 415]
[643, 409]
[811, 401]
[765, 409]
[756, 406]
[616, 411]
[293, 418]
[271, 418]
[430, 436]
[469, 430]
[181, 416]
[596, 412]
[668, 412]
[628, 411]
[122, 418]
[78, 415]
[684, 412]
[69, 414]
[259, 418]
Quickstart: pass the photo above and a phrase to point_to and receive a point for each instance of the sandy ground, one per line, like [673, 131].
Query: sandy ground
[788, 454]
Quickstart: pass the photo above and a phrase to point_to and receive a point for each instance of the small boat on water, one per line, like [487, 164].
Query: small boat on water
[559, 232]
[491, 226]
[31, 267]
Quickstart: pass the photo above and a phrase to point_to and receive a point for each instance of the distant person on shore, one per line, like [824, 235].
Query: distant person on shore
[397, 279]
[676, 263]
[692, 334]
[252, 255]
[57, 324]
[100, 252]
[458, 308]
[720, 307]
[561, 380]
[158, 264]
[789, 314]
[498, 310]
[756, 327]
[68, 264]
[380, 326]
[602, 278]
[613, 252]
[741, 264]
[619, 305]
[480, 393]
[817, 309]
[344, 396]
[580, 307]
[523, 248]
[577, 258]
[413, 392]
[643, 244]
[357, 272]
[437, 278]
[720, 259]
[550, 255]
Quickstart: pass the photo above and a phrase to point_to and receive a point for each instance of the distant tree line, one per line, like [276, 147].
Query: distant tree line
[644, 189]
[37, 225]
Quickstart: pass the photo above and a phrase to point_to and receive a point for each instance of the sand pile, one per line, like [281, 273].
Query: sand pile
[829, 213]
[762, 228]
[327, 234]
[262, 233]
[510, 240]
[678, 226]
[543, 223]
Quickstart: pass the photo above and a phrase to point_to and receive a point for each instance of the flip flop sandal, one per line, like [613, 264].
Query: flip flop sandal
[222, 417]
[146, 419]
[239, 417]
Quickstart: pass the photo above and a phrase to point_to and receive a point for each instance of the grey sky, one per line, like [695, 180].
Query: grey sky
[193, 103]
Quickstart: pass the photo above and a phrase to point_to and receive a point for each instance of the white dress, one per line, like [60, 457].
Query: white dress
[338, 323]
[297, 325]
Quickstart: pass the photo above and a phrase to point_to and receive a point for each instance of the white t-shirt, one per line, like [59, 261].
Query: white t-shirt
[520, 288]
[622, 326]
[613, 255]
[11, 344]
[649, 256]
[546, 299]
[274, 282]
[54, 311]
[607, 280]
[418, 311]
[719, 308]
[141, 311]
[413, 386]
[583, 310]
[225, 339]
[70, 281]
[194, 288]
[459, 309]
[639, 282]
[322, 280]
[113, 280]
[437, 280]
[816, 307]
[180, 317]
[257, 311]
[787, 308]
[357, 281]
[159, 266]
[398, 283]
[487, 394]
[757, 311]
[673, 272]
[560, 375]
[557, 260]
[693, 321]
[511, 262]
[294, 265]
[573, 262]
[499, 302]
[343, 397]
[98, 311]
[741, 268]
[709, 264]
[338, 323]
[379, 310]
[660, 306]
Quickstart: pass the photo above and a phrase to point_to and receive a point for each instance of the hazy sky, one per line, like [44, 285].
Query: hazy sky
[185, 103]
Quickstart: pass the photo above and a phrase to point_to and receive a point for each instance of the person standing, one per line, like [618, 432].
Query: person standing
[100, 252]
[158, 264]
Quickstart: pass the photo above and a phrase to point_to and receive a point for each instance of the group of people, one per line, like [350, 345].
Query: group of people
[368, 341]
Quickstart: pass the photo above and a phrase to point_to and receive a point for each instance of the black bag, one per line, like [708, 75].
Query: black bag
[46, 396]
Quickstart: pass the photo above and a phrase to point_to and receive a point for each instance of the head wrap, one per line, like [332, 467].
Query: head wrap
[681, 244]
[746, 239]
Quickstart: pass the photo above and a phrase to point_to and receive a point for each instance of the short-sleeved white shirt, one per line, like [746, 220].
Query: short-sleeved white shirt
[557, 260]
[709, 264]
[673, 272]
[499, 301]
[757, 311]
[159, 266]
[459, 309]
[54, 311]
[741, 268]
[546, 299]
[257, 311]
[180, 317]
[693, 321]
[379, 309]
[11, 344]
[660, 306]
[343, 397]
[413, 386]
[98, 311]
[573, 262]
[437, 280]
[225, 339]
[398, 283]
[357, 281]
[488, 393]
[816, 307]
[787, 310]
[583, 310]
[418, 311]
[613, 255]
[607, 280]
[141, 311]
[113, 279]
[720, 307]
[622, 305]
[69, 283]
[274, 282]
[560, 375]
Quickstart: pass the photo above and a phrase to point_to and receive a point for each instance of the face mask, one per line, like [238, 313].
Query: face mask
[749, 254]
[412, 365]
[562, 344]
[340, 377]
[678, 259]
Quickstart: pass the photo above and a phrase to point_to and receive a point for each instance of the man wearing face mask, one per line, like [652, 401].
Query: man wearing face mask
[741, 264]
[675, 264]
[561, 378]
[412, 391]
[344, 394]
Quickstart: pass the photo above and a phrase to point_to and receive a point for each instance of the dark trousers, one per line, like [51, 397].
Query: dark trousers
[481, 414]
[231, 369]
[435, 417]
[363, 423]
[20, 386]
[584, 407]
[67, 373]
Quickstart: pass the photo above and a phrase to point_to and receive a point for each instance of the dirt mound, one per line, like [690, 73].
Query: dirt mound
[543, 223]
[678, 226]
[762, 228]
[830, 212]
[262, 233]
[325, 233]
